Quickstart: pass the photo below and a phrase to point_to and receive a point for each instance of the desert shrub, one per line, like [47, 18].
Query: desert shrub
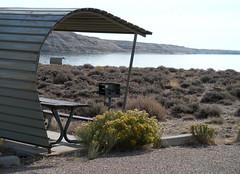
[98, 71]
[150, 105]
[205, 79]
[42, 84]
[203, 134]
[216, 120]
[225, 102]
[185, 108]
[123, 69]
[88, 66]
[208, 111]
[196, 82]
[84, 93]
[180, 108]
[195, 90]
[167, 102]
[214, 97]
[172, 70]
[60, 78]
[151, 89]
[93, 110]
[235, 92]
[137, 79]
[194, 107]
[68, 84]
[148, 78]
[237, 113]
[120, 130]
[185, 84]
[111, 69]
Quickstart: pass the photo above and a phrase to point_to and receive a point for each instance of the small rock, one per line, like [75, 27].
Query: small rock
[9, 161]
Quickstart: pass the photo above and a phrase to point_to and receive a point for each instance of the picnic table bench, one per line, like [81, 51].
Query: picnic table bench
[54, 105]
[64, 115]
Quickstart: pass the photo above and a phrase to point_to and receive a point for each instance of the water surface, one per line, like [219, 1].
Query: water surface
[200, 61]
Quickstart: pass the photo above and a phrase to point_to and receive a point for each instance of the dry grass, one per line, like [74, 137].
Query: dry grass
[174, 83]
[93, 110]
[148, 104]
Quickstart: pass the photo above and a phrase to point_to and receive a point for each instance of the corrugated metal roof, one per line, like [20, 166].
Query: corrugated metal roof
[81, 20]
[22, 34]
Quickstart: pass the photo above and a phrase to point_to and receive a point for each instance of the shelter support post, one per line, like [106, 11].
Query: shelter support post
[129, 72]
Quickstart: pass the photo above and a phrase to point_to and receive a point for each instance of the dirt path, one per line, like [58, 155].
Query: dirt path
[221, 159]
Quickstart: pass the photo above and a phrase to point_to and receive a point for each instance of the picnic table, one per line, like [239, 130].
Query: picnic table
[54, 105]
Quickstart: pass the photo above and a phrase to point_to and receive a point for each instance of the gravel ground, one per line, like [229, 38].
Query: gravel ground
[221, 159]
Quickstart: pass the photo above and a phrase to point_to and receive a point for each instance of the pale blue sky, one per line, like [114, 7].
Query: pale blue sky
[192, 23]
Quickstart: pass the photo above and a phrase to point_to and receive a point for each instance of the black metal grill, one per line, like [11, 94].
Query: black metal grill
[109, 90]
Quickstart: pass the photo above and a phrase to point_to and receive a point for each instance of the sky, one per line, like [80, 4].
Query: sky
[211, 24]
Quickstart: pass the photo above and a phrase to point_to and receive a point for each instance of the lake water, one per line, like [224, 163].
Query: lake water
[200, 61]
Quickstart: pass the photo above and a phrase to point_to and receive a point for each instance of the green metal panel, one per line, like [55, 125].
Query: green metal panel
[17, 65]
[21, 112]
[18, 55]
[21, 38]
[15, 119]
[18, 93]
[18, 84]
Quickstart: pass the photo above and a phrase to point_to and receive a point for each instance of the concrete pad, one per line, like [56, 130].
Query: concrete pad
[177, 140]
[59, 149]
[9, 161]
[65, 148]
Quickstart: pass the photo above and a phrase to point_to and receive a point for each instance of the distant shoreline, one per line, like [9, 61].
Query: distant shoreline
[184, 61]
[76, 54]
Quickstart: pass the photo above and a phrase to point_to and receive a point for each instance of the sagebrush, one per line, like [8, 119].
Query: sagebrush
[208, 111]
[150, 105]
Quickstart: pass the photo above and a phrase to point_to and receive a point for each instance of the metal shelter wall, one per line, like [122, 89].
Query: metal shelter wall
[22, 34]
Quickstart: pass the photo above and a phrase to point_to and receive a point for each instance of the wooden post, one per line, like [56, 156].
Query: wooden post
[129, 72]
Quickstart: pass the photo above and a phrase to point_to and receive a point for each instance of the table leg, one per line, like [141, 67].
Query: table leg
[67, 126]
[57, 118]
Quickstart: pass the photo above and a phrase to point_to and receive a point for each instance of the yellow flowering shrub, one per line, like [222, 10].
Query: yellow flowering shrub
[121, 130]
[203, 133]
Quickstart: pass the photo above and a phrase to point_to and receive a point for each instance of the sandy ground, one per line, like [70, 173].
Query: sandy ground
[226, 129]
[221, 159]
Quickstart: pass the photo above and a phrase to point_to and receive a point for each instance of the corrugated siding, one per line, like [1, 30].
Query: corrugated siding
[21, 37]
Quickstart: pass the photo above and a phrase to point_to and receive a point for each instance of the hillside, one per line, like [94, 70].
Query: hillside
[72, 43]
